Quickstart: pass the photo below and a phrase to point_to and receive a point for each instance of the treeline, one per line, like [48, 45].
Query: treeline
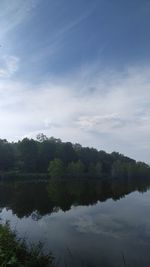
[64, 159]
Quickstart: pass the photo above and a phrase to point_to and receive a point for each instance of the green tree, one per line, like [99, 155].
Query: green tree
[46, 153]
[66, 153]
[28, 154]
[56, 168]
[95, 170]
[76, 169]
[7, 156]
[120, 169]
[98, 169]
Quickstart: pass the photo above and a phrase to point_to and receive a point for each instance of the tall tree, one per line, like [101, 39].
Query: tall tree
[76, 169]
[28, 154]
[56, 169]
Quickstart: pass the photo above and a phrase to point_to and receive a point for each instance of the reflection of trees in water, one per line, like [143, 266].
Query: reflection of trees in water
[41, 198]
[25, 198]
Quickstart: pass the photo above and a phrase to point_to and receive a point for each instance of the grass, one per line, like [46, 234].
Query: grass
[14, 252]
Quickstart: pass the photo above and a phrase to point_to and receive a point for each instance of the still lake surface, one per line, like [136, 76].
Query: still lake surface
[84, 223]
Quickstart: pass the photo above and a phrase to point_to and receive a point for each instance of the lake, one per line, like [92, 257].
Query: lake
[88, 223]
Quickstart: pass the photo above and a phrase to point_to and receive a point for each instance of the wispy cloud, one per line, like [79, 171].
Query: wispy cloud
[14, 13]
[8, 66]
[57, 36]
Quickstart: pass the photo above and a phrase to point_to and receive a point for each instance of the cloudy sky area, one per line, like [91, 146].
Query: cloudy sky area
[78, 70]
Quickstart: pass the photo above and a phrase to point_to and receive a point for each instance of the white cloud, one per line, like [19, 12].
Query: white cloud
[99, 225]
[110, 111]
[8, 66]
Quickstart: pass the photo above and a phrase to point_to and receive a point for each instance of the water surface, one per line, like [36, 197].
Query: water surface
[83, 223]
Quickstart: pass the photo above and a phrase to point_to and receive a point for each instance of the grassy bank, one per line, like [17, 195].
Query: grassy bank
[14, 252]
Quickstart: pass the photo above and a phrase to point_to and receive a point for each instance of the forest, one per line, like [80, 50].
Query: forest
[59, 159]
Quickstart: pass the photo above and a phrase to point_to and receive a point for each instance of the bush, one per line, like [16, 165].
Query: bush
[14, 252]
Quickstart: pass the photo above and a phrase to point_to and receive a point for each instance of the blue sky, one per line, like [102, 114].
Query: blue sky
[78, 70]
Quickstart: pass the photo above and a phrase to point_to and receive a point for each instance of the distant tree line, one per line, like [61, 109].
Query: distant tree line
[64, 159]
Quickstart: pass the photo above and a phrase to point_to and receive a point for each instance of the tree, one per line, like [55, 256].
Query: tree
[56, 168]
[46, 153]
[28, 154]
[98, 169]
[87, 155]
[76, 169]
[66, 152]
[121, 169]
[95, 170]
[41, 137]
[7, 156]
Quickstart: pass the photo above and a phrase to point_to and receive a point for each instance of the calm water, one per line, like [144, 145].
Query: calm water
[83, 223]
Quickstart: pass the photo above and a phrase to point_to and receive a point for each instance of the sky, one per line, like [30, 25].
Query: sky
[78, 70]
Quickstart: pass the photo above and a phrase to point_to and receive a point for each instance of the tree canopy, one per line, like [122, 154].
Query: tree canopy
[64, 159]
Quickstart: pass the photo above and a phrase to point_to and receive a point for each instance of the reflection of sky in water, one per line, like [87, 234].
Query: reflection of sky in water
[98, 234]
